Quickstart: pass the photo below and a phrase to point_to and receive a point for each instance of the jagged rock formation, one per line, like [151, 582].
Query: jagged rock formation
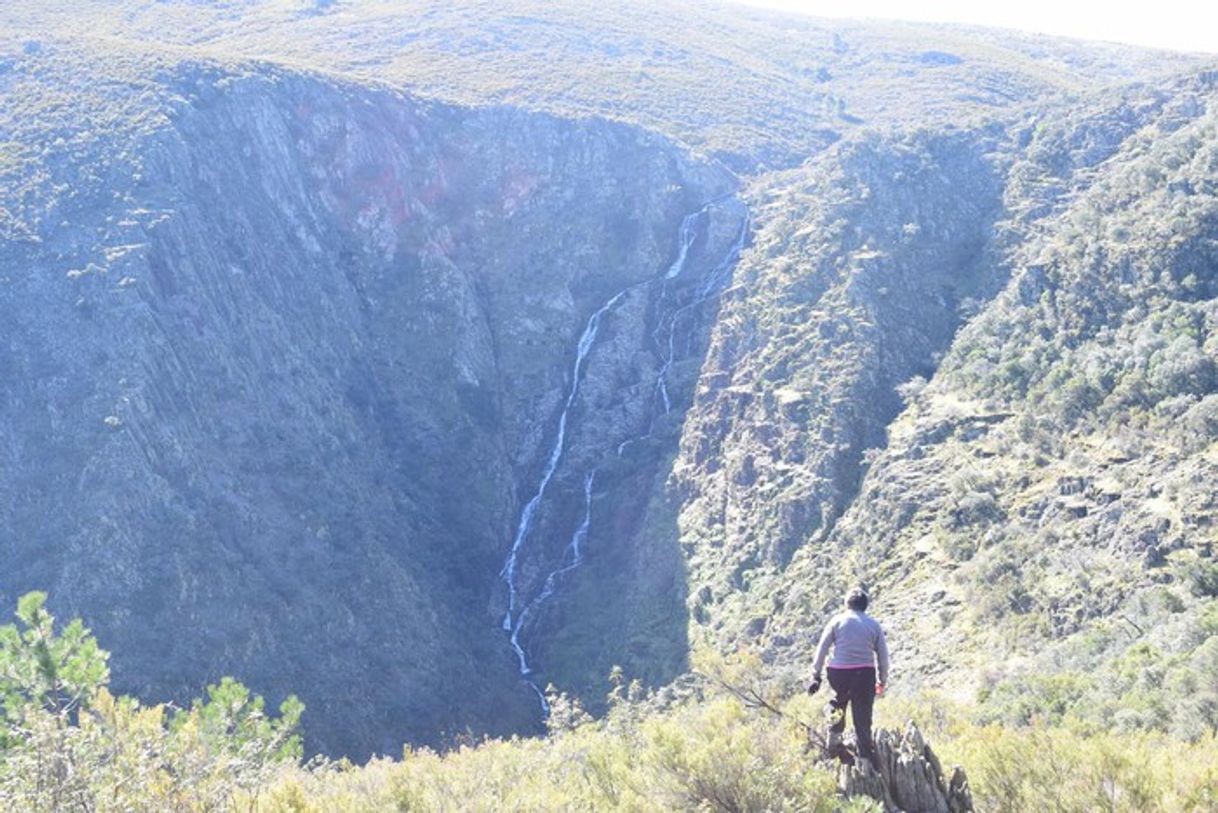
[906, 776]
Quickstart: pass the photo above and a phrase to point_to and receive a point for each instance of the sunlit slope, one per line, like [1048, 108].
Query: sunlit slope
[755, 87]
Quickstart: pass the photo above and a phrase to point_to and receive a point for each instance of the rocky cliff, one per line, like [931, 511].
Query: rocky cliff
[271, 403]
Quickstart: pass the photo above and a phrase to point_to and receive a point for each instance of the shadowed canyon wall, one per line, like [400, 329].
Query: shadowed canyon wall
[271, 410]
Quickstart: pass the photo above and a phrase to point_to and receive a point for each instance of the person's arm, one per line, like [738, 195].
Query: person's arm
[881, 654]
[822, 651]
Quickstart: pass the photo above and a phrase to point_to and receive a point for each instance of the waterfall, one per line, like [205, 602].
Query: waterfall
[526, 516]
[687, 235]
[712, 287]
[572, 558]
[515, 619]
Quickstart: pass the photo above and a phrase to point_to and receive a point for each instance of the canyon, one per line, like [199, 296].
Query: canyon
[363, 353]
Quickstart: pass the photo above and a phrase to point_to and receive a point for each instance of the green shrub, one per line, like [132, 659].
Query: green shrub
[1202, 578]
[42, 670]
[69, 744]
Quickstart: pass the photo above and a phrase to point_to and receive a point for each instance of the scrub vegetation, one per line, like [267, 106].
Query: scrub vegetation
[68, 743]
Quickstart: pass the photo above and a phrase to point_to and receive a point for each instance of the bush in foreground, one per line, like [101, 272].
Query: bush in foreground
[67, 743]
[732, 745]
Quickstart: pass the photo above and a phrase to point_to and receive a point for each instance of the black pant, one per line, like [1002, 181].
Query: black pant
[856, 688]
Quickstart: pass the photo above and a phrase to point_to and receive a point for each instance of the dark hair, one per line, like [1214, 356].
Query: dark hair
[857, 599]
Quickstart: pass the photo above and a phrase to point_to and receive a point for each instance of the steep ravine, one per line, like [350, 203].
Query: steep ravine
[275, 400]
[414, 409]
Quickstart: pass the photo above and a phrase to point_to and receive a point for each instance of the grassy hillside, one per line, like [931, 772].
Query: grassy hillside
[754, 87]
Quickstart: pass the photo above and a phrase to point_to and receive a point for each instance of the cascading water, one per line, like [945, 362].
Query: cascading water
[711, 288]
[526, 516]
[572, 558]
[688, 233]
[515, 622]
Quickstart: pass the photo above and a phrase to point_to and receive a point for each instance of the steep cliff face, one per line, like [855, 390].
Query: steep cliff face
[1011, 431]
[854, 285]
[271, 411]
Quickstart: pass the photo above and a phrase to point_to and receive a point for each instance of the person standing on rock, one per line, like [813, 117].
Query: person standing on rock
[858, 649]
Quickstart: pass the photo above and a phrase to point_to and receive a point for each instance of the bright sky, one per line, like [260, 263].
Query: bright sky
[1183, 25]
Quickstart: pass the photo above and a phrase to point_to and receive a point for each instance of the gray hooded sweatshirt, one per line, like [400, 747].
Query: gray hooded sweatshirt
[857, 641]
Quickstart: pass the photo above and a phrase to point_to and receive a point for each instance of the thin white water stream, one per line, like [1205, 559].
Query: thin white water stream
[572, 558]
[713, 285]
[514, 622]
[688, 233]
[526, 516]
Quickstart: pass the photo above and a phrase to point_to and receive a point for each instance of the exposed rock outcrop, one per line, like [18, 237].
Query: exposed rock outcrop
[906, 776]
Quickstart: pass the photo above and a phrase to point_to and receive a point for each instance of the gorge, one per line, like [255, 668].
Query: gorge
[414, 360]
